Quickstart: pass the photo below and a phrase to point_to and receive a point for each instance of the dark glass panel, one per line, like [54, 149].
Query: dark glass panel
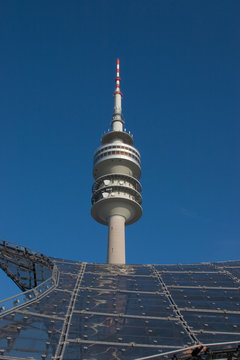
[127, 329]
[119, 282]
[185, 267]
[207, 299]
[123, 302]
[198, 279]
[23, 335]
[67, 281]
[108, 352]
[213, 322]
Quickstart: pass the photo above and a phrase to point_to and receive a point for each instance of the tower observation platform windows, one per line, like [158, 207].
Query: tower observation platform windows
[127, 151]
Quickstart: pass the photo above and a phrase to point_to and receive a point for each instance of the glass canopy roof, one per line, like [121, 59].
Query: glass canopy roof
[74, 311]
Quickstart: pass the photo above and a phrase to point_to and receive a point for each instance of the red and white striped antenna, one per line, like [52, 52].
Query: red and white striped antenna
[117, 119]
[118, 79]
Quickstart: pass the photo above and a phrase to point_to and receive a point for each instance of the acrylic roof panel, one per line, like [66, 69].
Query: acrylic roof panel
[99, 311]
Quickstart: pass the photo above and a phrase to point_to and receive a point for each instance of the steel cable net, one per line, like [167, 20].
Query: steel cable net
[99, 311]
[26, 268]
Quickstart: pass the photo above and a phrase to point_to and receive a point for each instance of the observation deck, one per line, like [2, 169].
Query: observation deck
[119, 190]
[116, 191]
[107, 157]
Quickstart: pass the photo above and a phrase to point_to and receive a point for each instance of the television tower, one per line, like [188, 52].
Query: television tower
[116, 198]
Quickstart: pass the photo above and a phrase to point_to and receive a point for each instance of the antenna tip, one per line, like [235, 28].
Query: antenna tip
[118, 61]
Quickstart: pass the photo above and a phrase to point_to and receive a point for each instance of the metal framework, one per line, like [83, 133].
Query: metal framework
[72, 311]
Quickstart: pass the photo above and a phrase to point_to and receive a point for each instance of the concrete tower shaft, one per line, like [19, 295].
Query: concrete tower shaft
[116, 192]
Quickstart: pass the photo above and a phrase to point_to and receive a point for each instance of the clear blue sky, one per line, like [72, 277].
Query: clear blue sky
[179, 64]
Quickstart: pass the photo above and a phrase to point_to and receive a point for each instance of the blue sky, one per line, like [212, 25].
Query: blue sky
[179, 64]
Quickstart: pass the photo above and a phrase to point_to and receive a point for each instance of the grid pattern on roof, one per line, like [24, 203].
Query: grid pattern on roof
[98, 311]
